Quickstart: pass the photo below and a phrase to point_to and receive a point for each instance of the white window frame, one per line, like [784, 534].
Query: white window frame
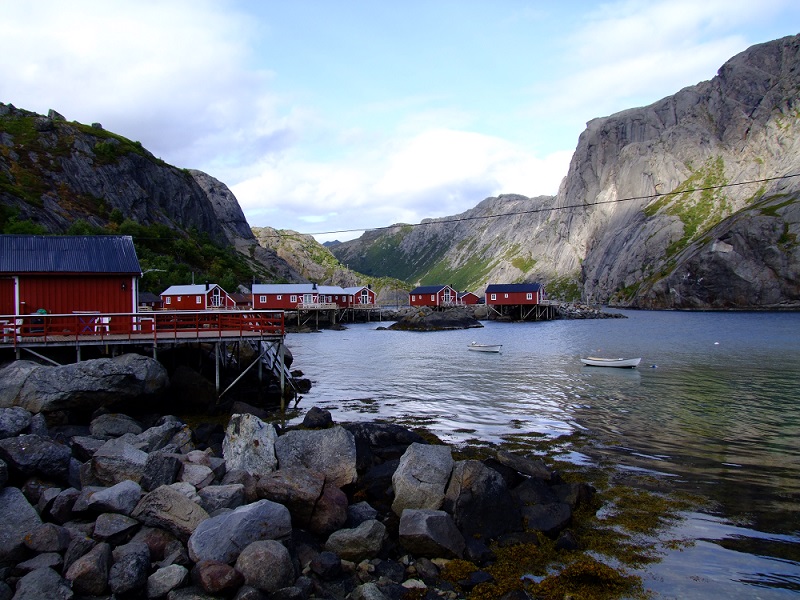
[198, 299]
[168, 300]
[263, 299]
[279, 297]
[293, 298]
[529, 296]
[492, 296]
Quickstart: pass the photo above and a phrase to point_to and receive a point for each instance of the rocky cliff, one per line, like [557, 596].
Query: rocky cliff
[655, 210]
[54, 173]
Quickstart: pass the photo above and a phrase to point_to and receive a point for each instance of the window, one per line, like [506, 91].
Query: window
[433, 297]
[293, 298]
[168, 300]
[505, 295]
[413, 298]
[279, 296]
[263, 299]
[180, 298]
[198, 299]
[529, 296]
[493, 296]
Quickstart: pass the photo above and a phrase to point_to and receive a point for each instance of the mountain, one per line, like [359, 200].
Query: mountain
[57, 175]
[656, 210]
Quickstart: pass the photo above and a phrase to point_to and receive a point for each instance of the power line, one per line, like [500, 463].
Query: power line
[550, 208]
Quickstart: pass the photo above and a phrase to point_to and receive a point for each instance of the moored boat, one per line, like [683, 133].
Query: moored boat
[485, 347]
[594, 361]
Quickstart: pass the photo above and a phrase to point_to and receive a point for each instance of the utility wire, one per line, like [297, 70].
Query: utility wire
[550, 208]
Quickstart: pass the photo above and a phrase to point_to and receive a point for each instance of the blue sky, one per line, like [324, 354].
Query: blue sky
[326, 116]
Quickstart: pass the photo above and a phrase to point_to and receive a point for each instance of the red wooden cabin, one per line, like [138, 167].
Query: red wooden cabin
[358, 296]
[468, 298]
[514, 294]
[68, 274]
[203, 296]
[433, 295]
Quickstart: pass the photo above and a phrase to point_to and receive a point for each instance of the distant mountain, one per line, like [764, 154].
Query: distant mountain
[655, 211]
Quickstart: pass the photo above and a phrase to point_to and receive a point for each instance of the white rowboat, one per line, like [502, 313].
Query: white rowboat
[485, 347]
[593, 361]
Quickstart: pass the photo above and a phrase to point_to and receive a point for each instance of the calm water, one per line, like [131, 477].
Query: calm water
[712, 408]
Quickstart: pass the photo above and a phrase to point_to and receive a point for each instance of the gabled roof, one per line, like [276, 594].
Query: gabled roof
[353, 290]
[429, 289]
[68, 254]
[506, 288]
[296, 288]
[188, 290]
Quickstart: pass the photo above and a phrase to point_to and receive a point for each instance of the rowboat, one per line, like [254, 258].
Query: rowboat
[593, 361]
[485, 347]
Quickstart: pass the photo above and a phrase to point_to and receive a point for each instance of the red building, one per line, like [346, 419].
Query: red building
[204, 296]
[68, 274]
[467, 298]
[514, 294]
[433, 295]
[291, 296]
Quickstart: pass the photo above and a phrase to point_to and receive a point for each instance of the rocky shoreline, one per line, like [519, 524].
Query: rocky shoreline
[117, 506]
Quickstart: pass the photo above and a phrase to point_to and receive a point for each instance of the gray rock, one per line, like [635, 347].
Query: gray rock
[217, 577]
[48, 537]
[113, 425]
[17, 519]
[330, 511]
[60, 510]
[332, 452]
[120, 498]
[421, 477]
[216, 497]
[78, 546]
[168, 509]
[198, 475]
[35, 455]
[249, 445]
[43, 583]
[430, 533]
[129, 571]
[252, 559]
[160, 468]
[361, 543]
[368, 591]
[166, 579]
[297, 488]
[550, 519]
[91, 384]
[116, 461]
[89, 574]
[534, 467]
[114, 528]
[84, 446]
[359, 512]
[46, 560]
[157, 437]
[480, 502]
[223, 537]
[14, 420]
[13, 377]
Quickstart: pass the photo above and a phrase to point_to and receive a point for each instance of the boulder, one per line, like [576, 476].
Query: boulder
[379, 442]
[129, 572]
[13, 421]
[114, 528]
[91, 384]
[332, 452]
[297, 488]
[361, 543]
[430, 533]
[217, 497]
[224, 536]
[421, 477]
[120, 498]
[160, 468]
[113, 425]
[330, 511]
[48, 537]
[43, 583]
[89, 574]
[480, 502]
[12, 377]
[252, 559]
[217, 577]
[117, 461]
[166, 579]
[533, 467]
[36, 455]
[550, 519]
[249, 445]
[17, 519]
[168, 509]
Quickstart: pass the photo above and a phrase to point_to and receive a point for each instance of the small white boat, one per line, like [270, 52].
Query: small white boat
[485, 347]
[593, 361]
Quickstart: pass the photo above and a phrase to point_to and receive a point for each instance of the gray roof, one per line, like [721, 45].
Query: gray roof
[68, 254]
[513, 287]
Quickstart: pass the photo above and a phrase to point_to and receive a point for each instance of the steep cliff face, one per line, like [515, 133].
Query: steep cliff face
[653, 197]
[54, 173]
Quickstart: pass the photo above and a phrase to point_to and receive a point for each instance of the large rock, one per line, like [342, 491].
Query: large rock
[332, 452]
[421, 477]
[360, 543]
[89, 574]
[12, 377]
[13, 421]
[431, 533]
[297, 488]
[252, 560]
[43, 583]
[480, 502]
[91, 384]
[35, 455]
[117, 461]
[249, 445]
[168, 509]
[224, 536]
[17, 519]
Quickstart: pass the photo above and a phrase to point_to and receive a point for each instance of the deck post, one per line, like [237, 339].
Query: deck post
[283, 379]
[216, 365]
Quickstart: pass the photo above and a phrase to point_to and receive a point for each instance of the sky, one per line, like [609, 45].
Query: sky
[331, 117]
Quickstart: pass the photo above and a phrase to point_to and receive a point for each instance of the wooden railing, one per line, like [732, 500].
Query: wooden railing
[161, 325]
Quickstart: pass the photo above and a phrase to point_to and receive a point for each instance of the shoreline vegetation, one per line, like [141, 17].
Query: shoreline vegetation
[123, 500]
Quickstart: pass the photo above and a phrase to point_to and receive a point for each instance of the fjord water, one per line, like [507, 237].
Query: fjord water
[713, 409]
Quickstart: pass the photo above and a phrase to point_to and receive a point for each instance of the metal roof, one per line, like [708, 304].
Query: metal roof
[428, 289]
[190, 289]
[68, 254]
[296, 288]
[506, 288]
